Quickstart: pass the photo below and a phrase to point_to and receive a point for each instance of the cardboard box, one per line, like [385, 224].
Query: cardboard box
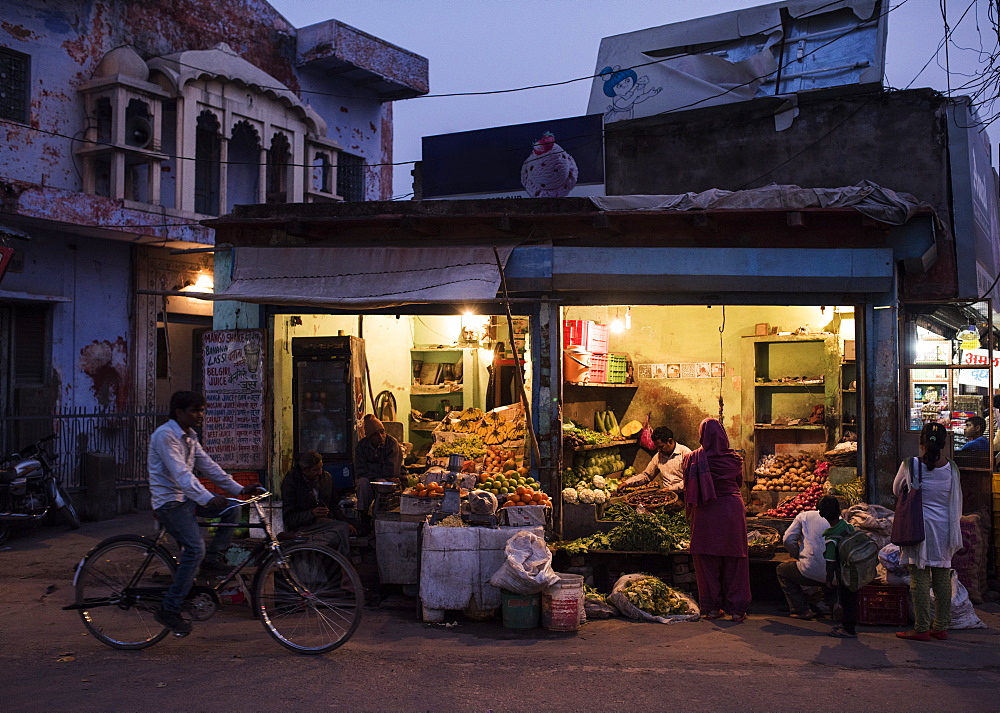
[525, 515]
[850, 350]
[412, 505]
[762, 329]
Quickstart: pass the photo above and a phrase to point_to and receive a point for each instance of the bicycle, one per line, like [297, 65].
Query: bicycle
[308, 597]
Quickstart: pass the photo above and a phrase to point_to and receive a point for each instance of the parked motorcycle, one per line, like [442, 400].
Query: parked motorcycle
[30, 489]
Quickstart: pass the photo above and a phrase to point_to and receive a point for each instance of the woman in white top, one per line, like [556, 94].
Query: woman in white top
[930, 561]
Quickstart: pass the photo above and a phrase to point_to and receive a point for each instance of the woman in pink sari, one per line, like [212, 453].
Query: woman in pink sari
[713, 475]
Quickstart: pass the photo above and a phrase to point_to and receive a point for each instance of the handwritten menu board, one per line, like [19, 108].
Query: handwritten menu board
[234, 386]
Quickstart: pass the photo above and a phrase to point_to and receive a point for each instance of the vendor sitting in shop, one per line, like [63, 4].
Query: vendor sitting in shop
[309, 504]
[378, 456]
[975, 435]
[664, 470]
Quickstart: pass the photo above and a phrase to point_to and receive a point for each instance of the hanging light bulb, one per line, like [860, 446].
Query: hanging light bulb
[617, 326]
[628, 318]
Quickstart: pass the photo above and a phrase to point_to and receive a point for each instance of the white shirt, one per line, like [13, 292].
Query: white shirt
[665, 471]
[173, 455]
[806, 534]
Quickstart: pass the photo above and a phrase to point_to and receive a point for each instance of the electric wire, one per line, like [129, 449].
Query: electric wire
[729, 90]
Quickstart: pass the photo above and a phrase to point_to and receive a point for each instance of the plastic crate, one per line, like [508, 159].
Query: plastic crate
[587, 334]
[243, 477]
[598, 369]
[616, 368]
[880, 604]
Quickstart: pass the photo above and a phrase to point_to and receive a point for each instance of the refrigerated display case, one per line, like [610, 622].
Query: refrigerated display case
[328, 400]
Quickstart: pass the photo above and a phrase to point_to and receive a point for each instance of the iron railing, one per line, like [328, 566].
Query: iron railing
[79, 432]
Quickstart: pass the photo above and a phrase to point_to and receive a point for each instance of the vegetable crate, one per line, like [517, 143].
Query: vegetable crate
[598, 369]
[880, 604]
[616, 368]
[587, 334]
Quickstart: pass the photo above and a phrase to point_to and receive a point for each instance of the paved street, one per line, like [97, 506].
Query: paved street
[396, 663]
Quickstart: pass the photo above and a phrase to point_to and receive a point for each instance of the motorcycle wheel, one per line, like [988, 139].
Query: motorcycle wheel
[68, 512]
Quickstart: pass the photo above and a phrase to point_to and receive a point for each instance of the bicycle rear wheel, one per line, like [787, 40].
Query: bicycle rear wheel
[119, 585]
[311, 603]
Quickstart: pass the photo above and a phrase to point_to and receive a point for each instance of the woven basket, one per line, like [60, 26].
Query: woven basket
[657, 498]
[770, 547]
[846, 459]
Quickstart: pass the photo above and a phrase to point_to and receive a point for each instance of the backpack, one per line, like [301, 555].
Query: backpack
[858, 557]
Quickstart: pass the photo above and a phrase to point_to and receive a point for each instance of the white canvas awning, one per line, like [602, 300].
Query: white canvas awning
[364, 277]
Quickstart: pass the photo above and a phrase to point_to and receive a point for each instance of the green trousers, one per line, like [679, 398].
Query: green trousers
[922, 580]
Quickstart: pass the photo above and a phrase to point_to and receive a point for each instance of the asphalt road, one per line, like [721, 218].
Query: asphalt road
[397, 663]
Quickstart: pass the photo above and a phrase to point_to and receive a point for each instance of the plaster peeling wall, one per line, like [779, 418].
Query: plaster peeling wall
[66, 41]
[90, 277]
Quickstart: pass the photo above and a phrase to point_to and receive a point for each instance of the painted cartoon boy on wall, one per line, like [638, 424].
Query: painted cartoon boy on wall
[626, 89]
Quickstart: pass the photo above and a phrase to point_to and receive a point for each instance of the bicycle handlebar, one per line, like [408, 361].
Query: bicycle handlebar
[239, 503]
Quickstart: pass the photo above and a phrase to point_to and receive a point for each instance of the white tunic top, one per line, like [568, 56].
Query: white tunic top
[942, 499]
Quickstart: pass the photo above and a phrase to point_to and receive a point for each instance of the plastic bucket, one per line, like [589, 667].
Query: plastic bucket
[521, 611]
[562, 603]
[576, 365]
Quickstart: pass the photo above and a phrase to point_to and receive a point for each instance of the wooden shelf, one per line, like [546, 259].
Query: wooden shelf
[782, 384]
[431, 390]
[577, 449]
[775, 427]
[602, 386]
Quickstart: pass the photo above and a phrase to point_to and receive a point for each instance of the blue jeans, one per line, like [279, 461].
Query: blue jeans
[180, 520]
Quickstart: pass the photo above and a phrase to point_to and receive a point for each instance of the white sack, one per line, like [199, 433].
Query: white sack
[527, 566]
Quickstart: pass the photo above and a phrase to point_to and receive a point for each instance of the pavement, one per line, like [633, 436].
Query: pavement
[395, 662]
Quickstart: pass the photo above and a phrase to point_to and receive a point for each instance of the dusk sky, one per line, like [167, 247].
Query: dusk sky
[482, 45]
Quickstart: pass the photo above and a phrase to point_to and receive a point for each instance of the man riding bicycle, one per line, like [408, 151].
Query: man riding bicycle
[179, 499]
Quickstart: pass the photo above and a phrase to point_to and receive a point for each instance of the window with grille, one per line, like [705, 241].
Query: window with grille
[350, 177]
[14, 85]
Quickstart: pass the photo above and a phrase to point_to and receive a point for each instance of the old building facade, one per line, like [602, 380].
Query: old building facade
[125, 124]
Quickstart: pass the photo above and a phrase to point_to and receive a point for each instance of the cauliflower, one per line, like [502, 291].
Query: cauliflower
[569, 495]
[600, 497]
[585, 496]
[600, 482]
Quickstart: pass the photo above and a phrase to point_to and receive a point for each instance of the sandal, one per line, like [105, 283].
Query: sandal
[739, 618]
[914, 635]
[804, 616]
[714, 614]
[838, 632]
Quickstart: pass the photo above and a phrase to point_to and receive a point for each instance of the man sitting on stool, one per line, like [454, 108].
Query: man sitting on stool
[309, 507]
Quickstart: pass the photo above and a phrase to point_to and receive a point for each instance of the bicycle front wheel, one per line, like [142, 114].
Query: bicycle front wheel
[119, 586]
[310, 603]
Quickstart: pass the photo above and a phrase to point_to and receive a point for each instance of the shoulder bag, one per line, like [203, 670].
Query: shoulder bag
[908, 522]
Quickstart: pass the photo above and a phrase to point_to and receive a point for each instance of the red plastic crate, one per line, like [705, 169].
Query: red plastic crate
[243, 477]
[587, 334]
[881, 604]
[598, 369]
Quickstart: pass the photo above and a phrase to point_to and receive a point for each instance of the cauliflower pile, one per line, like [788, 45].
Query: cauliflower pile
[596, 490]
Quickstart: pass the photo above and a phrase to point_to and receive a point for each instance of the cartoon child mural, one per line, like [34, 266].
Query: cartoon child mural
[626, 89]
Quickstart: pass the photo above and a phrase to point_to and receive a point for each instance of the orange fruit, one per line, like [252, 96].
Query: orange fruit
[537, 497]
[520, 490]
[432, 485]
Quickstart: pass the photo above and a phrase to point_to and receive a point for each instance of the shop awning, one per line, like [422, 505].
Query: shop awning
[364, 277]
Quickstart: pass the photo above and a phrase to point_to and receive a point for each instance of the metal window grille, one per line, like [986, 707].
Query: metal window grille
[78, 432]
[14, 85]
[350, 177]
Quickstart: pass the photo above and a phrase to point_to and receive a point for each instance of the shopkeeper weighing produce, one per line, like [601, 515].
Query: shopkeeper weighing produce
[664, 470]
